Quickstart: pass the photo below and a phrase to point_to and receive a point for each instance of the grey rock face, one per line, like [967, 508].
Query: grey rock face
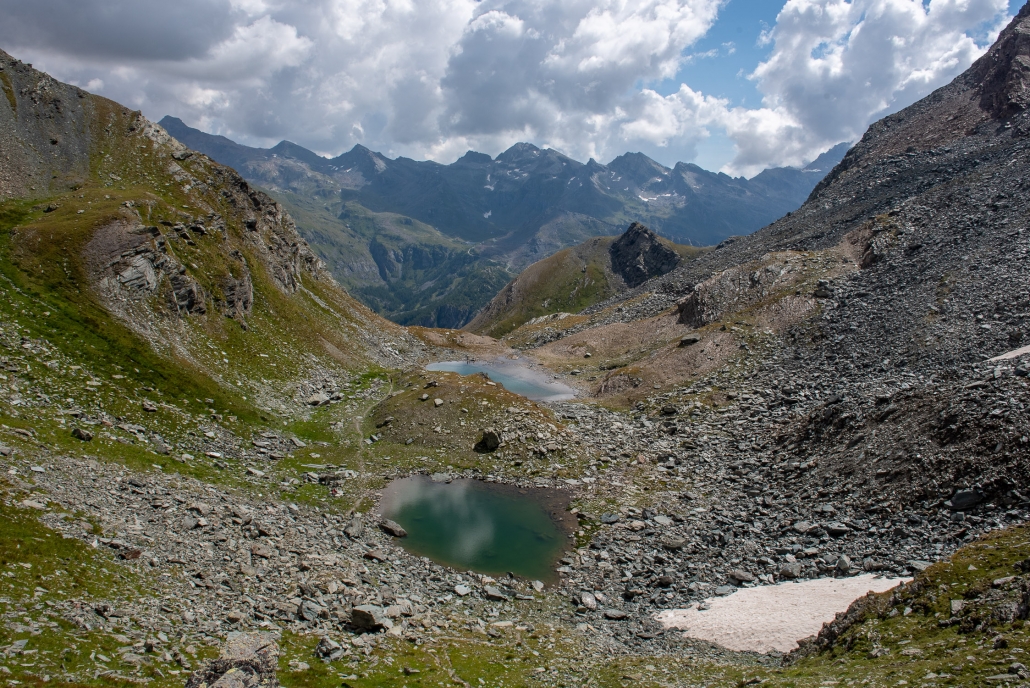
[1004, 73]
[187, 295]
[237, 296]
[638, 255]
[39, 155]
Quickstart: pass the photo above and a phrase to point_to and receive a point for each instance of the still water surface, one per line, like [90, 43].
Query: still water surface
[513, 377]
[489, 528]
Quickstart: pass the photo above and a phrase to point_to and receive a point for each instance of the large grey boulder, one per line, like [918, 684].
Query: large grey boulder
[392, 528]
[247, 660]
[965, 499]
[489, 442]
[369, 617]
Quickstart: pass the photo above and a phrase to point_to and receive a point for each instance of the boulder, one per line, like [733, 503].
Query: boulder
[802, 527]
[392, 528]
[355, 529]
[328, 649]
[690, 340]
[918, 565]
[837, 529]
[740, 576]
[843, 564]
[673, 543]
[965, 499]
[369, 617]
[790, 570]
[247, 660]
[870, 564]
[489, 442]
[495, 594]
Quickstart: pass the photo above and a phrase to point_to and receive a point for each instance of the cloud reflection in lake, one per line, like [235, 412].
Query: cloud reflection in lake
[469, 524]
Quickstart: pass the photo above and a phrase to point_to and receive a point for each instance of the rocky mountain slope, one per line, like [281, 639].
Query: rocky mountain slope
[577, 277]
[160, 244]
[478, 221]
[874, 311]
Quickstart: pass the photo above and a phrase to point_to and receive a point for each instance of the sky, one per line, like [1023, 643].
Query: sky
[732, 85]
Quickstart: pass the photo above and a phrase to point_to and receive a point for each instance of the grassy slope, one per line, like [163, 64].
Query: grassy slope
[567, 282]
[199, 368]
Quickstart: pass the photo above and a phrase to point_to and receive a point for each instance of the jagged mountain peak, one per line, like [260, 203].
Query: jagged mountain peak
[638, 168]
[519, 208]
[475, 158]
[519, 152]
[828, 160]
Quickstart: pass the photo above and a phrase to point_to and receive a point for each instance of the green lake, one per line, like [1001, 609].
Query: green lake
[486, 527]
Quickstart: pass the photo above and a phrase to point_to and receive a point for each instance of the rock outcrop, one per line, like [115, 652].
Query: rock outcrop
[638, 256]
[1003, 74]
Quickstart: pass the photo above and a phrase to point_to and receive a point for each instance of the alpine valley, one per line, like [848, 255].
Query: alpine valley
[218, 465]
[429, 244]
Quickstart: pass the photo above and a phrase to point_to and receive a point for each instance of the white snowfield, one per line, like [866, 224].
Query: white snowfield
[773, 617]
[1009, 355]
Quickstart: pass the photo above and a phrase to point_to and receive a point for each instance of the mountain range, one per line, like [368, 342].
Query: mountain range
[430, 244]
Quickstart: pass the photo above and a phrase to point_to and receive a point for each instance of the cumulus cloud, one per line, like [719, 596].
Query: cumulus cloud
[836, 66]
[125, 30]
[565, 73]
[433, 78]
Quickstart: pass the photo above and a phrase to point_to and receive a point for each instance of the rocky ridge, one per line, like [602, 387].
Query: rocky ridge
[418, 241]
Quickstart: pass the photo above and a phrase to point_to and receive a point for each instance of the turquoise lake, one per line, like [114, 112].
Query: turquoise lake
[514, 378]
[486, 527]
